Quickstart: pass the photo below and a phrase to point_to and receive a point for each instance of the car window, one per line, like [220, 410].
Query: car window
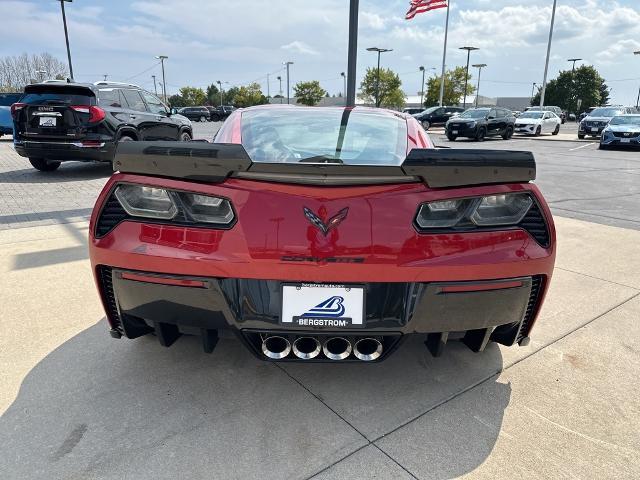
[493, 113]
[134, 100]
[292, 135]
[109, 97]
[153, 103]
[7, 99]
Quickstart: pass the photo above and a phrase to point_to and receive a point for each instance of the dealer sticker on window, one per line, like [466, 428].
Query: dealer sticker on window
[320, 305]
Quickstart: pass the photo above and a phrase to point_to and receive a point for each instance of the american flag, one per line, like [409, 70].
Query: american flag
[421, 6]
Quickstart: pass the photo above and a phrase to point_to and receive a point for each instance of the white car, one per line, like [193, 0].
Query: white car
[535, 122]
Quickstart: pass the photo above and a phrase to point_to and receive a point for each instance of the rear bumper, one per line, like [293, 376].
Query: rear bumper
[500, 310]
[462, 131]
[103, 151]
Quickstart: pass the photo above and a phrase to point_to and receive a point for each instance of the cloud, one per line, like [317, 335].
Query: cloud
[618, 52]
[372, 20]
[300, 47]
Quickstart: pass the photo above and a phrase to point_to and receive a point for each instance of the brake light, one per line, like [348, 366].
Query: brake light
[96, 114]
[15, 108]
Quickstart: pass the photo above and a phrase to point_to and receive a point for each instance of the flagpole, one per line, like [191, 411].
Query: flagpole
[444, 55]
[546, 63]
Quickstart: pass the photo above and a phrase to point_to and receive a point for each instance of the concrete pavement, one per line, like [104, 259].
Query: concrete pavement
[77, 404]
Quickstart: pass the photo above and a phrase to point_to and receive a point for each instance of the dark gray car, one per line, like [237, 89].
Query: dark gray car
[599, 118]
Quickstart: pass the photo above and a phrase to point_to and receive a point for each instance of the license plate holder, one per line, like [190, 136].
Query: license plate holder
[594, 129]
[455, 132]
[322, 305]
[47, 122]
[625, 140]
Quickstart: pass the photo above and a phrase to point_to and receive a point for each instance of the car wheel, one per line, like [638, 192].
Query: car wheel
[42, 164]
[426, 124]
[126, 138]
[557, 130]
[580, 136]
[538, 131]
[203, 118]
[481, 134]
[452, 138]
[603, 147]
[185, 136]
[508, 133]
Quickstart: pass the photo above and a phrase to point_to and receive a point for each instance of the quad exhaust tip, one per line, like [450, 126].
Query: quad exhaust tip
[306, 348]
[367, 349]
[276, 347]
[337, 348]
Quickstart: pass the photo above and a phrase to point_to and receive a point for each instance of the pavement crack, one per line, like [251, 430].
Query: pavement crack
[597, 278]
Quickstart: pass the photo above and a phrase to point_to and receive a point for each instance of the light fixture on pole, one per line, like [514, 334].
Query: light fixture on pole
[421, 68]
[466, 76]
[479, 66]
[344, 81]
[379, 50]
[220, 88]
[280, 91]
[533, 87]
[66, 35]
[546, 63]
[155, 88]
[162, 58]
[41, 75]
[287, 64]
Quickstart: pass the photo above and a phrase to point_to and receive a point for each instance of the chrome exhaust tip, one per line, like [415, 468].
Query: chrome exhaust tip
[306, 348]
[276, 347]
[367, 349]
[337, 348]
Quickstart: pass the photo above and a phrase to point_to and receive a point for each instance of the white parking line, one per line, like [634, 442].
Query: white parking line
[581, 146]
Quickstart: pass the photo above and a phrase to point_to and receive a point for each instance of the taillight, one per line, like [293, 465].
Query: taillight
[96, 114]
[15, 108]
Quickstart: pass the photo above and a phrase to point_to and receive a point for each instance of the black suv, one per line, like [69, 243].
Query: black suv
[199, 114]
[478, 123]
[58, 121]
[436, 115]
[221, 112]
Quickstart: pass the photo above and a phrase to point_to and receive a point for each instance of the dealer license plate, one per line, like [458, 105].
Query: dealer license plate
[47, 121]
[455, 132]
[594, 129]
[319, 305]
[625, 140]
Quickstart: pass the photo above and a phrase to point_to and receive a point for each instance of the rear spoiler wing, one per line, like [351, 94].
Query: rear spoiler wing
[215, 162]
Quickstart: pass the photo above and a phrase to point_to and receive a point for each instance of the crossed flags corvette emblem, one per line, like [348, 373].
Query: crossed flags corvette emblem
[333, 222]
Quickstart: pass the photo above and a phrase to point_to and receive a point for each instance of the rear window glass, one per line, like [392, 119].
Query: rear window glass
[8, 99]
[291, 135]
[66, 96]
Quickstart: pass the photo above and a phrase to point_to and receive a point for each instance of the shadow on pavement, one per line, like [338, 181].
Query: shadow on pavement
[68, 172]
[101, 408]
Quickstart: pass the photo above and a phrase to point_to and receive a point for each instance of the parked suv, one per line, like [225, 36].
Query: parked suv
[550, 108]
[220, 113]
[478, 123]
[200, 114]
[59, 121]
[6, 123]
[594, 123]
[437, 115]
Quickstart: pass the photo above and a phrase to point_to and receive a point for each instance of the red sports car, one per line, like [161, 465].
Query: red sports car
[322, 234]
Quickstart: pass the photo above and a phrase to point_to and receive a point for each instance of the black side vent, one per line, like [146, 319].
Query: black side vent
[111, 215]
[106, 283]
[532, 306]
[534, 223]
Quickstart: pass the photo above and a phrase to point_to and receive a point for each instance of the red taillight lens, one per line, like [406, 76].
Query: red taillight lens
[15, 108]
[96, 114]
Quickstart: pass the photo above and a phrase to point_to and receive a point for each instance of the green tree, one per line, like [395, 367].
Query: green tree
[309, 93]
[228, 95]
[453, 88]
[566, 89]
[390, 94]
[176, 101]
[192, 96]
[249, 95]
[213, 95]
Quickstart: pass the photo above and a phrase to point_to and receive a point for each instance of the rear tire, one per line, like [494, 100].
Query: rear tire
[538, 131]
[481, 134]
[203, 118]
[508, 133]
[556, 131]
[426, 124]
[185, 136]
[42, 165]
[581, 137]
[603, 147]
[452, 138]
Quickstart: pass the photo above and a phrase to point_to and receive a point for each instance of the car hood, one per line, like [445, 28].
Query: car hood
[465, 120]
[528, 121]
[597, 119]
[624, 128]
[181, 118]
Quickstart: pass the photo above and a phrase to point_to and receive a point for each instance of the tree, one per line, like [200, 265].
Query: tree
[21, 70]
[213, 95]
[249, 95]
[229, 95]
[390, 94]
[176, 101]
[193, 96]
[309, 93]
[566, 89]
[454, 81]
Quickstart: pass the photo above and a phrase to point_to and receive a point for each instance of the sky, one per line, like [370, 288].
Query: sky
[242, 41]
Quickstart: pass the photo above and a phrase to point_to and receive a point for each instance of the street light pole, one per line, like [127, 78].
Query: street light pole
[268, 88]
[280, 91]
[638, 99]
[533, 87]
[466, 76]
[421, 68]
[66, 35]
[546, 64]
[479, 66]
[379, 50]
[344, 81]
[352, 53]
[287, 64]
[162, 58]
[573, 78]
[155, 88]
[220, 85]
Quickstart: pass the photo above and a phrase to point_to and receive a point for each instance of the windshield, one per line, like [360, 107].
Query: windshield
[626, 120]
[480, 113]
[532, 114]
[324, 135]
[605, 112]
[58, 95]
[8, 99]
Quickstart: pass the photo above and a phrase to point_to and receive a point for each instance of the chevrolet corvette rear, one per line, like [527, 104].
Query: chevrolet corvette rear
[322, 234]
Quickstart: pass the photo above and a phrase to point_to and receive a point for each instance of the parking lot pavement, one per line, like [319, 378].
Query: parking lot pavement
[77, 404]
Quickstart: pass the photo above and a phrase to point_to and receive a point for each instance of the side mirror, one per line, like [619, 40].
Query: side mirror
[173, 111]
[490, 117]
